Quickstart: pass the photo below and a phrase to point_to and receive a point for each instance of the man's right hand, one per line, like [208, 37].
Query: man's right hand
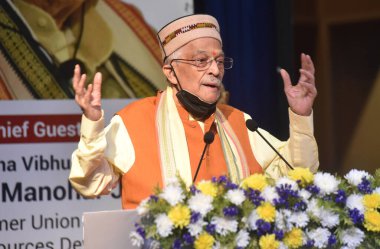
[88, 99]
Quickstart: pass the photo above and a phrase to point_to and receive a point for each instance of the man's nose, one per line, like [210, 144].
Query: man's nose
[214, 68]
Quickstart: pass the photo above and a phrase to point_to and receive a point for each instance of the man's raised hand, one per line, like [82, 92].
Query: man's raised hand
[302, 95]
[88, 99]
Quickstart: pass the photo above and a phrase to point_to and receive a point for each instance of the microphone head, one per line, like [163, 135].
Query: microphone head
[251, 125]
[208, 137]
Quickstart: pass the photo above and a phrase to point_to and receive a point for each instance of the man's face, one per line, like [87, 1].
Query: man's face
[205, 84]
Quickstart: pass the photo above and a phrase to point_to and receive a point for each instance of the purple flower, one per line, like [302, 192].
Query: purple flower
[254, 196]
[188, 238]
[341, 197]
[230, 211]
[231, 185]
[193, 189]
[195, 216]
[223, 179]
[263, 227]
[286, 194]
[332, 240]
[177, 244]
[365, 186]
[153, 198]
[300, 206]
[210, 228]
[214, 179]
[310, 243]
[140, 230]
[356, 217]
[279, 234]
[313, 189]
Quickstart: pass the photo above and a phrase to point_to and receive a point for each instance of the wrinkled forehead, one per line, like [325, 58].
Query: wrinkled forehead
[203, 46]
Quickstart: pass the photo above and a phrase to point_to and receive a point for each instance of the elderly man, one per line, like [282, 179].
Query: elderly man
[155, 138]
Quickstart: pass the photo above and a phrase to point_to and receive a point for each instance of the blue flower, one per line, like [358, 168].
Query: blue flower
[223, 179]
[153, 198]
[195, 216]
[341, 197]
[188, 238]
[279, 234]
[210, 228]
[230, 211]
[313, 189]
[193, 189]
[263, 227]
[177, 244]
[231, 185]
[365, 186]
[310, 243]
[140, 230]
[254, 196]
[332, 240]
[356, 217]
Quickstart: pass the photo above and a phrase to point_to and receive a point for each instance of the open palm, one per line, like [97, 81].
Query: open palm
[302, 95]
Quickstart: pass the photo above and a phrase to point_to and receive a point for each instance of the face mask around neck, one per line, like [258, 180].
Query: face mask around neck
[199, 109]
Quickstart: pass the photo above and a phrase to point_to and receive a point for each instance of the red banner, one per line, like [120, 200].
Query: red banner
[39, 128]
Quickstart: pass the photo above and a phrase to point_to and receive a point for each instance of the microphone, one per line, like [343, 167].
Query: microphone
[208, 138]
[253, 126]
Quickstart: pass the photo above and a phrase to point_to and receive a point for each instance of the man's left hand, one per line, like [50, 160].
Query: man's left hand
[301, 96]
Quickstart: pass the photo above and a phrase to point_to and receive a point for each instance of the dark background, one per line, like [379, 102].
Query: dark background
[343, 39]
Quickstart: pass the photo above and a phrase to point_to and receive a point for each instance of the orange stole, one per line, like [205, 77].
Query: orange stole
[145, 174]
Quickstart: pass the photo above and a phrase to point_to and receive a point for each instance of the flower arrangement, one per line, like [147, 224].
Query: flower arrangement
[301, 210]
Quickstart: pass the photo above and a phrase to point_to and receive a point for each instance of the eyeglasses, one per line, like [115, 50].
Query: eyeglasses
[204, 63]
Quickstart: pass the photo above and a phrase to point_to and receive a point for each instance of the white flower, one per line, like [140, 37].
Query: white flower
[287, 181]
[235, 196]
[242, 238]
[216, 245]
[136, 239]
[252, 219]
[326, 182]
[328, 218]
[164, 225]
[299, 219]
[173, 181]
[320, 237]
[172, 194]
[305, 195]
[269, 194]
[224, 226]
[352, 237]
[354, 177]
[376, 190]
[200, 203]
[314, 208]
[282, 220]
[143, 209]
[282, 246]
[196, 228]
[355, 201]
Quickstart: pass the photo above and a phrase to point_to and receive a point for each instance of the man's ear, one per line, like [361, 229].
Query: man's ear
[169, 73]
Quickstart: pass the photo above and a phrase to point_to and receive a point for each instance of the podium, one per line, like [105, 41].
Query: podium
[108, 229]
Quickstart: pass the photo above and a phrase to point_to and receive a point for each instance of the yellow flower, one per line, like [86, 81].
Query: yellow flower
[293, 239]
[255, 181]
[371, 201]
[266, 212]
[268, 242]
[372, 221]
[180, 216]
[301, 174]
[208, 188]
[204, 241]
